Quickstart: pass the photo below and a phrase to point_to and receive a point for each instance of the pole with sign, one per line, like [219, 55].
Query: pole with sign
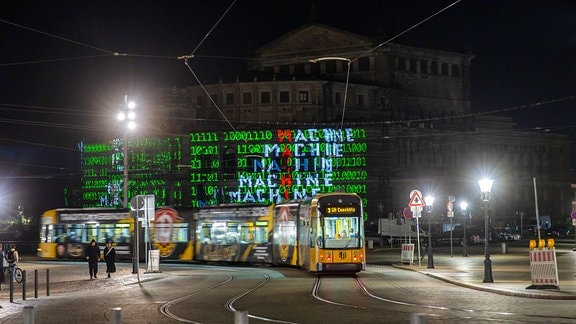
[573, 216]
[416, 204]
[141, 209]
[450, 208]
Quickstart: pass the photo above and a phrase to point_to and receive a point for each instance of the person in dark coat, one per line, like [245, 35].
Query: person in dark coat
[93, 256]
[110, 257]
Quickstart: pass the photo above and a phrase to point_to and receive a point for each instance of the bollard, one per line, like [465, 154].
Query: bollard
[504, 248]
[23, 284]
[417, 318]
[240, 317]
[28, 315]
[11, 286]
[116, 315]
[35, 283]
[47, 282]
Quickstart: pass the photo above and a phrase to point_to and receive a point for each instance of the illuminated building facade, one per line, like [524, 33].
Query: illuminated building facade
[288, 132]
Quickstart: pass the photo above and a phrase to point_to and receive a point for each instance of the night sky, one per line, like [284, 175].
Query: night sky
[60, 80]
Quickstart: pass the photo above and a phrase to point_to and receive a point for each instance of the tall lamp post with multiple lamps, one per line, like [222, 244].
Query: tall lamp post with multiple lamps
[485, 189]
[127, 117]
[429, 203]
[463, 206]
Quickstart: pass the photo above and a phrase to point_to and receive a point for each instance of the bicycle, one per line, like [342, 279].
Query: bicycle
[17, 273]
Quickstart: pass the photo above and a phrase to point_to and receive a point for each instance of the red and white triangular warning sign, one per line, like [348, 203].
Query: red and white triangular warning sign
[416, 199]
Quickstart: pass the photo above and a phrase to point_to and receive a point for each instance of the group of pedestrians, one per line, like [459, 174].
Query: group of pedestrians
[10, 258]
[93, 257]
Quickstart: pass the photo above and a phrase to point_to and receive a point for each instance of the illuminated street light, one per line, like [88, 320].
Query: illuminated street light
[127, 116]
[429, 202]
[485, 189]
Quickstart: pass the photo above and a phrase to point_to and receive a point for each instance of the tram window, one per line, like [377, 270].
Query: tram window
[46, 233]
[106, 232]
[121, 233]
[203, 232]
[260, 235]
[286, 233]
[180, 232]
[91, 233]
[77, 233]
[60, 235]
[247, 233]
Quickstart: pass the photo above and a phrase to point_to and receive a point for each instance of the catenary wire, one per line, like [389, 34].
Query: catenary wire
[380, 45]
[191, 55]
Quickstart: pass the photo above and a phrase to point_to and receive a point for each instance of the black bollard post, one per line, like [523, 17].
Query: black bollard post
[35, 283]
[47, 282]
[11, 285]
[23, 284]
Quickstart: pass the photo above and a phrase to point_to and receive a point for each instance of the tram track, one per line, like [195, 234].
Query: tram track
[444, 314]
[432, 313]
[316, 295]
[198, 294]
[165, 309]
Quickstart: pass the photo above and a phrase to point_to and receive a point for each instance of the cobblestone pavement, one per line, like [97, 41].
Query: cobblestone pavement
[66, 279]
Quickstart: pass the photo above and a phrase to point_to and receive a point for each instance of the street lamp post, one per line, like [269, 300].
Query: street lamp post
[127, 116]
[485, 188]
[429, 203]
[463, 206]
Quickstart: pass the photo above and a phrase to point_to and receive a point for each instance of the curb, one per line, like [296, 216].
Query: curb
[507, 291]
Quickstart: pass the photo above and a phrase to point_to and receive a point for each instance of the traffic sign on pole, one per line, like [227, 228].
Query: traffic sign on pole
[416, 199]
[407, 213]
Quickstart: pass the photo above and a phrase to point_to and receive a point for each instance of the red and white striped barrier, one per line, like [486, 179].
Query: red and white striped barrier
[544, 269]
[407, 255]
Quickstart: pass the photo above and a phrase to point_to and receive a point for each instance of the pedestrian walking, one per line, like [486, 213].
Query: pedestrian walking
[93, 256]
[110, 258]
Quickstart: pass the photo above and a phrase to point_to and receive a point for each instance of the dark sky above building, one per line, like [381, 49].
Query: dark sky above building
[60, 78]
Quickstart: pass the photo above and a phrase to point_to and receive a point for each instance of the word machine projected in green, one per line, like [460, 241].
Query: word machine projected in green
[209, 168]
[285, 164]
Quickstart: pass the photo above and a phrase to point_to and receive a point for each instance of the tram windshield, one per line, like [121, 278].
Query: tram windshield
[341, 232]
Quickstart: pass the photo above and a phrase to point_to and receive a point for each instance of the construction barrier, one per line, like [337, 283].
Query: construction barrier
[407, 255]
[544, 269]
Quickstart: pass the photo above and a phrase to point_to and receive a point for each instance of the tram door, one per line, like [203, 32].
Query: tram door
[285, 234]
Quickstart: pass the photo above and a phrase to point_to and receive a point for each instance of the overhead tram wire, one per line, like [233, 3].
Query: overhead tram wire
[209, 96]
[380, 45]
[192, 54]
[58, 37]
[108, 52]
[409, 29]
[66, 59]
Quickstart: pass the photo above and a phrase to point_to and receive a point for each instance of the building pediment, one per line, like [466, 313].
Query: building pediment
[316, 38]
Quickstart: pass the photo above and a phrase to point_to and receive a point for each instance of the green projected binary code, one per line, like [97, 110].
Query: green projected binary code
[209, 168]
